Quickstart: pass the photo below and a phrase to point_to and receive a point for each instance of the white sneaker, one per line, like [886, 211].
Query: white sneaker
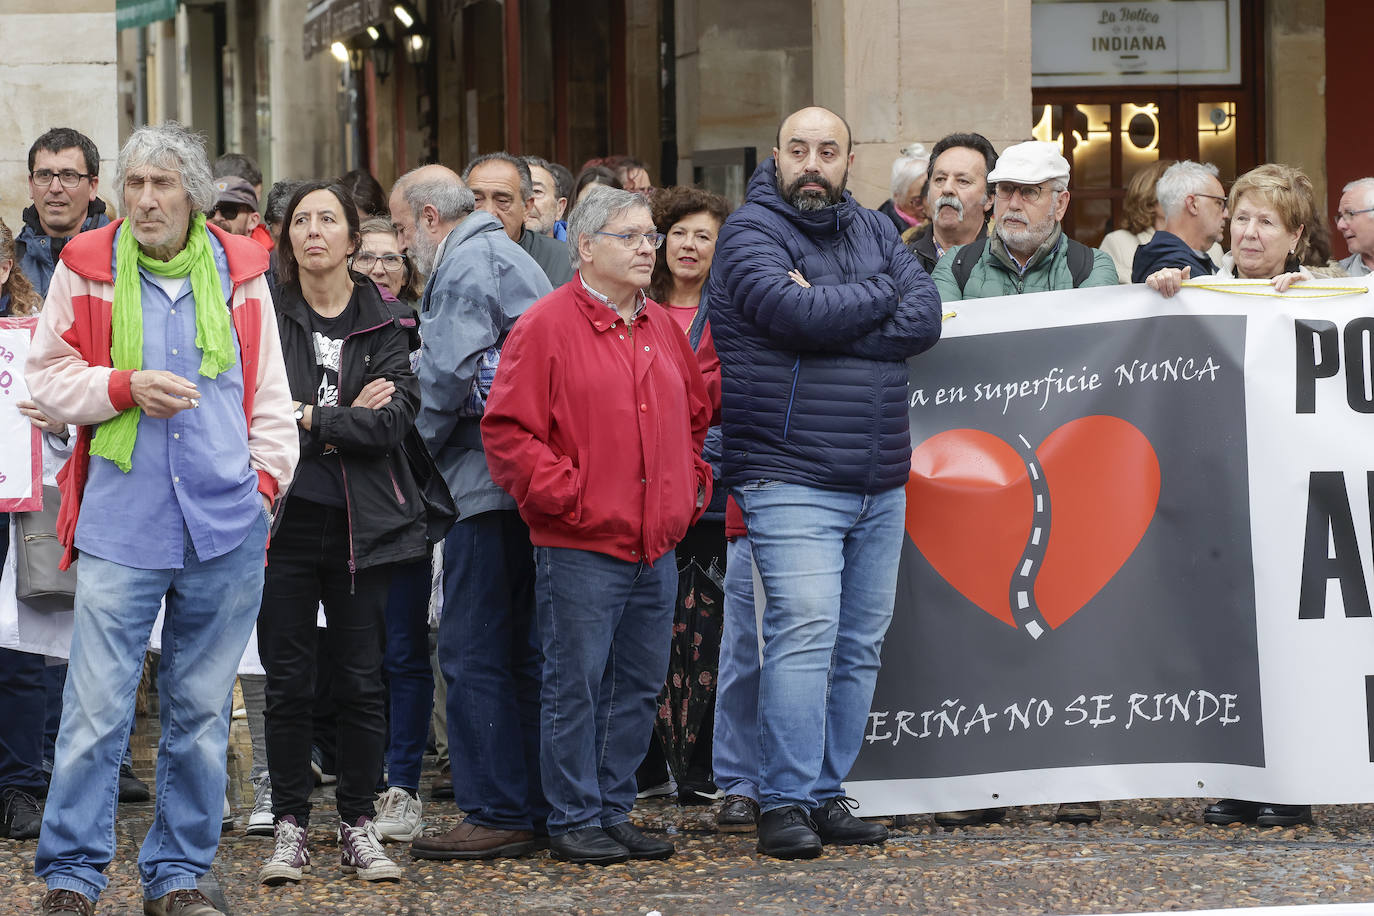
[360, 853]
[226, 821]
[260, 821]
[399, 816]
[290, 859]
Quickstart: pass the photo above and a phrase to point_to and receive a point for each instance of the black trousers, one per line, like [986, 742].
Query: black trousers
[307, 563]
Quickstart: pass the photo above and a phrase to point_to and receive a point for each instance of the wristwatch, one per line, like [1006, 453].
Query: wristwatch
[300, 412]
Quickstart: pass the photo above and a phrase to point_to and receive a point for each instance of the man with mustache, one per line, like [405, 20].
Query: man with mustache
[64, 175]
[1028, 251]
[958, 198]
[815, 306]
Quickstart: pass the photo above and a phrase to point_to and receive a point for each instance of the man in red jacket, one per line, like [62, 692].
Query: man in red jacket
[594, 426]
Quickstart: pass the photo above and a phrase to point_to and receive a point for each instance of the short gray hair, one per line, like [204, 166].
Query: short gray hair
[911, 163]
[1178, 181]
[1365, 183]
[452, 199]
[171, 146]
[598, 206]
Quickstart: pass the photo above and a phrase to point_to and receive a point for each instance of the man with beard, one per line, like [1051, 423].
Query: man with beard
[1028, 251]
[480, 281]
[64, 176]
[958, 199]
[816, 306]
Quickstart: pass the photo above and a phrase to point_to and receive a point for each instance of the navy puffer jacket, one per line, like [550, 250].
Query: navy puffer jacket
[814, 381]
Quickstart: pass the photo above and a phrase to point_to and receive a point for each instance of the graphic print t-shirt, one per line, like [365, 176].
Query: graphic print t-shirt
[319, 478]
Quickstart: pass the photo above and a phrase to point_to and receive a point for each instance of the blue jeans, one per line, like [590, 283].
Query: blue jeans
[828, 563]
[489, 654]
[211, 608]
[405, 663]
[735, 754]
[607, 628]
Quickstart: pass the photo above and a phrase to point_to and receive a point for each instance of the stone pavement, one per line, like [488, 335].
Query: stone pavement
[1146, 855]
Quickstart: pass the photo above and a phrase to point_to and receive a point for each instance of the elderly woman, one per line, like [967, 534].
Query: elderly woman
[1273, 210]
[907, 205]
[379, 257]
[1142, 217]
[353, 511]
[1272, 213]
[595, 426]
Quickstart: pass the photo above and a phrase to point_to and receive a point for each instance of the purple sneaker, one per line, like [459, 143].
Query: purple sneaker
[290, 859]
[360, 853]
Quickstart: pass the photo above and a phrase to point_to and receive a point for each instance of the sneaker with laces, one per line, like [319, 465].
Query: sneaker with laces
[399, 816]
[19, 817]
[360, 853]
[290, 859]
[260, 821]
[61, 902]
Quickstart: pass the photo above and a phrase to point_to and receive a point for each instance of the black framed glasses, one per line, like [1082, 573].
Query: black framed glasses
[69, 178]
[632, 240]
[391, 263]
[1218, 198]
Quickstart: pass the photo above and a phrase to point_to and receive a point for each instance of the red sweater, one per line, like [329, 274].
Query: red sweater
[596, 432]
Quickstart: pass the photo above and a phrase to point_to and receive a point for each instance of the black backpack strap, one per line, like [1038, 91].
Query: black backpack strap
[1080, 262]
[965, 258]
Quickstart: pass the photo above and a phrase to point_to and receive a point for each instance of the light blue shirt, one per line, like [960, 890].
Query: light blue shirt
[190, 472]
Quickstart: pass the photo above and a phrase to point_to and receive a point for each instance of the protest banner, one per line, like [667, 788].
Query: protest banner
[1138, 554]
[21, 455]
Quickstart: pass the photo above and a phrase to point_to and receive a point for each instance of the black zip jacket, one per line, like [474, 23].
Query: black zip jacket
[386, 516]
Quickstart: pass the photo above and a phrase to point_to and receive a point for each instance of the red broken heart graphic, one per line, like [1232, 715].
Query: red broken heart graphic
[971, 511]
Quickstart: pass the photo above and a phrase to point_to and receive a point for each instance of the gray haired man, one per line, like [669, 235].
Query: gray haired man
[170, 363]
[480, 281]
[1355, 221]
[1194, 205]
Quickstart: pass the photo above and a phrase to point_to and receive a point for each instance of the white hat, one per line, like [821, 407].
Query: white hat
[1030, 163]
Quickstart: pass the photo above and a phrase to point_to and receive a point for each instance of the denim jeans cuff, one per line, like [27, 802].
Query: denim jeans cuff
[569, 828]
[607, 822]
[747, 789]
[167, 885]
[67, 883]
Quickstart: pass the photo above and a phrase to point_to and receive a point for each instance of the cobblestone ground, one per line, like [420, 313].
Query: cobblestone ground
[1144, 856]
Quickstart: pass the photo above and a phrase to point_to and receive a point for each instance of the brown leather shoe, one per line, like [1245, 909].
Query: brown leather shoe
[473, 841]
[61, 902]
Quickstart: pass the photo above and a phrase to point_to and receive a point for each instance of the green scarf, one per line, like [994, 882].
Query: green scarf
[114, 439]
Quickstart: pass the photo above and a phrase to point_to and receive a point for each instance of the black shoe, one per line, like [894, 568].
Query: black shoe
[1283, 815]
[837, 827]
[1232, 811]
[588, 846]
[639, 845]
[739, 814]
[131, 788]
[19, 817]
[788, 833]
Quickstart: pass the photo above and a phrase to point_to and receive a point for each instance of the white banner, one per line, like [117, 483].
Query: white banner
[1139, 555]
[21, 458]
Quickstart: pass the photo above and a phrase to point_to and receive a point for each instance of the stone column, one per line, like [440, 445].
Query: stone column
[907, 70]
[58, 70]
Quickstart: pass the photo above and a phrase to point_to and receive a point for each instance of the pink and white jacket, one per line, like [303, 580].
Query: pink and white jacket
[70, 375]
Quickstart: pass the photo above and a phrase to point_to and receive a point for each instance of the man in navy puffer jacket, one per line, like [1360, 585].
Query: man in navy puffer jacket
[816, 305]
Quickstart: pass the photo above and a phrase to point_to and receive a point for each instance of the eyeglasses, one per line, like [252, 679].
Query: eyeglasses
[70, 178]
[633, 240]
[1213, 197]
[391, 263]
[230, 211]
[1348, 215]
[1030, 193]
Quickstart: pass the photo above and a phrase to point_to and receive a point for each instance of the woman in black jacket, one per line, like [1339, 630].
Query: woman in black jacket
[352, 511]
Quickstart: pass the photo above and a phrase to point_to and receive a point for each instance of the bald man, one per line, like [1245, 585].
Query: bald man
[816, 305]
[479, 283]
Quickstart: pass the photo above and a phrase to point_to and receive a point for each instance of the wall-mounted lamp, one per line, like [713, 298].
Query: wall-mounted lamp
[381, 51]
[416, 47]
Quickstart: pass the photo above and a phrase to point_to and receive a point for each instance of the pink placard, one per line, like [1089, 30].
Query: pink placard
[16, 493]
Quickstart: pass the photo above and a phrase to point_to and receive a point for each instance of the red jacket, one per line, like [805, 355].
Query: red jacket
[596, 432]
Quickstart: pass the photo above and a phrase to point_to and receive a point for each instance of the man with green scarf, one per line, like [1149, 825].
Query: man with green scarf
[159, 341]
